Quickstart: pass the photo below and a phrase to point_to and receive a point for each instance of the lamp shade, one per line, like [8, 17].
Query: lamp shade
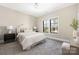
[10, 27]
[35, 27]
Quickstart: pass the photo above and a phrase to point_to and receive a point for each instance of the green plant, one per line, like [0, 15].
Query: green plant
[74, 24]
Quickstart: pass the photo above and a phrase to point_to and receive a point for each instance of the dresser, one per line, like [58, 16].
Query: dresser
[9, 37]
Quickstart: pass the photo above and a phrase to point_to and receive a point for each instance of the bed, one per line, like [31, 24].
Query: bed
[29, 39]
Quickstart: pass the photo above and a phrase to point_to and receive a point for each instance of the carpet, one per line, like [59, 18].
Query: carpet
[50, 47]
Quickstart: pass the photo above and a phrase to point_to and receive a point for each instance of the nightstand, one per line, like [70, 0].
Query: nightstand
[9, 37]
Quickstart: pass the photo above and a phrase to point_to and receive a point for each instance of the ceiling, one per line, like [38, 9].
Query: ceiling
[36, 9]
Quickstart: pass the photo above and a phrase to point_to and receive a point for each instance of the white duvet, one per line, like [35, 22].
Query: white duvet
[27, 39]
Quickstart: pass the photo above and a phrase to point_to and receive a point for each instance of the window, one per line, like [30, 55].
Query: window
[54, 25]
[46, 26]
[50, 25]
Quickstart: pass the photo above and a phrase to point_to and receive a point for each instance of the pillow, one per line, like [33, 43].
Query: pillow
[21, 30]
[29, 30]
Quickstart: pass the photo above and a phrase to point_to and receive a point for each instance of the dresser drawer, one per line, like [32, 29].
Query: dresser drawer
[9, 37]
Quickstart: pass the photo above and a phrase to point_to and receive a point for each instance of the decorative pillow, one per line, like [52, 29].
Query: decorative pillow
[21, 30]
[29, 30]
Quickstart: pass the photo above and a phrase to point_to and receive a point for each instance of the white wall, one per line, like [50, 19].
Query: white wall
[12, 17]
[65, 18]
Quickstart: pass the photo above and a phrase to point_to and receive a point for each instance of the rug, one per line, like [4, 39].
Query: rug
[50, 47]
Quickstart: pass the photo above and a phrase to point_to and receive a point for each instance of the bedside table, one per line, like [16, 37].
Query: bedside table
[9, 37]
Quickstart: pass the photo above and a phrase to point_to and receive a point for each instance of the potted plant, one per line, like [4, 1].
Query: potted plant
[74, 25]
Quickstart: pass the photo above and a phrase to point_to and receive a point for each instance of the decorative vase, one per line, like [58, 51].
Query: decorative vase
[74, 34]
[76, 40]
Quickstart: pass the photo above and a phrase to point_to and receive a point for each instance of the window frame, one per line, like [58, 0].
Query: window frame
[57, 24]
[46, 25]
[50, 24]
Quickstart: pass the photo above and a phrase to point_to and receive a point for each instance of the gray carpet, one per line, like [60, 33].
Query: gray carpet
[50, 47]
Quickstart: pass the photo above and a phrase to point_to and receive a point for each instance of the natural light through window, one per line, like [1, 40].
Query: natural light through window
[50, 25]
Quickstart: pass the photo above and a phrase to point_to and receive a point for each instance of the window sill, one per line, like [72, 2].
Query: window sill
[54, 32]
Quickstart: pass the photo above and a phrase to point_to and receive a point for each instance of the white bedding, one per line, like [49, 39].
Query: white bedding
[27, 39]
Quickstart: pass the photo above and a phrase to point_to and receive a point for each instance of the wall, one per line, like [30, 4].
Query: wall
[12, 17]
[65, 18]
[78, 12]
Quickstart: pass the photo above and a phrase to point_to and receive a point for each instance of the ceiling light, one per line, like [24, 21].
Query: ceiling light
[36, 5]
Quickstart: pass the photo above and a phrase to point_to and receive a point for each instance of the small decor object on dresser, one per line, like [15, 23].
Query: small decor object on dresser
[9, 37]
